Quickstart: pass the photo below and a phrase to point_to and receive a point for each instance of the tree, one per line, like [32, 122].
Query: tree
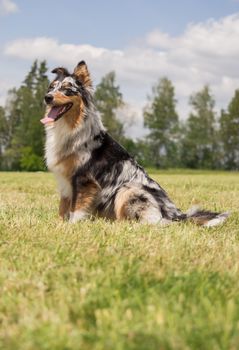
[3, 133]
[161, 118]
[199, 146]
[9, 122]
[108, 99]
[24, 109]
[229, 134]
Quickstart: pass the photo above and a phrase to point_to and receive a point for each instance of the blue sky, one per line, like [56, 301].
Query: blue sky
[108, 23]
[193, 42]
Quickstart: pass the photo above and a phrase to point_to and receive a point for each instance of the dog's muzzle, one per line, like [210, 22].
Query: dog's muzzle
[48, 99]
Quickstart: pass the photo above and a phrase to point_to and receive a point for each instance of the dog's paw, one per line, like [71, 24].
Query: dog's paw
[77, 215]
[66, 217]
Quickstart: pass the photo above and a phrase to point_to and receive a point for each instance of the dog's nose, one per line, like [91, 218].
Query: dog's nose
[48, 98]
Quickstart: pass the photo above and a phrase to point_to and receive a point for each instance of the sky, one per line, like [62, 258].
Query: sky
[192, 42]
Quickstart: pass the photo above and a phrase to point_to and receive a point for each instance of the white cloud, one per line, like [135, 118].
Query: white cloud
[206, 53]
[211, 37]
[52, 50]
[159, 39]
[7, 7]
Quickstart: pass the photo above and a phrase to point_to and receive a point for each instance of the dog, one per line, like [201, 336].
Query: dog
[95, 174]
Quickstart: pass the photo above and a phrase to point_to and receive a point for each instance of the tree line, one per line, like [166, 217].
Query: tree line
[205, 140]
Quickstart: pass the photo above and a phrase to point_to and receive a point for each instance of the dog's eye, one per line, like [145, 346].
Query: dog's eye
[69, 92]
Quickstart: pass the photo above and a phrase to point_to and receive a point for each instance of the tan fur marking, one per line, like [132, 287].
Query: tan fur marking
[64, 207]
[69, 165]
[81, 71]
[199, 221]
[121, 202]
[76, 114]
[86, 197]
[60, 99]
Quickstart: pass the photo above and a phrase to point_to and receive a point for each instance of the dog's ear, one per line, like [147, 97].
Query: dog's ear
[82, 73]
[61, 73]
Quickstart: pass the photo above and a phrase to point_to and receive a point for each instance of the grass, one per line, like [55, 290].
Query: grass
[102, 285]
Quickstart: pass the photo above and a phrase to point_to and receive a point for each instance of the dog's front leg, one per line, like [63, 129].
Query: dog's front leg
[85, 192]
[64, 208]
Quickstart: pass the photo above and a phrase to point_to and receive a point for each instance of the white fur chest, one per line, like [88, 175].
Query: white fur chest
[55, 139]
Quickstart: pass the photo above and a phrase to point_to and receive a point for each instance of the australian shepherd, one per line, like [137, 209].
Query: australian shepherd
[95, 175]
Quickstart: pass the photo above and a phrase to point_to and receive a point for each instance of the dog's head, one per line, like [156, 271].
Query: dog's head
[68, 95]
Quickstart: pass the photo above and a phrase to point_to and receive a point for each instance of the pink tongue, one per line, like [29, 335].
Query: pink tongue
[54, 111]
[46, 120]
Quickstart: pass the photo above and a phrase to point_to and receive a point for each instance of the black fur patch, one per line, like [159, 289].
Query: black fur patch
[157, 193]
[204, 214]
[140, 198]
[61, 73]
[70, 92]
[163, 200]
[108, 160]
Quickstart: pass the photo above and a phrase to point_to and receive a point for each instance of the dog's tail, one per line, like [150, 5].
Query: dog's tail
[205, 218]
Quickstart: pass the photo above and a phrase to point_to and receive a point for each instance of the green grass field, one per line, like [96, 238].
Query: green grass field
[102, 285]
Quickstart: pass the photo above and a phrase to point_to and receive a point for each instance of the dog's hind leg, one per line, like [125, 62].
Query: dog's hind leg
[134, 203]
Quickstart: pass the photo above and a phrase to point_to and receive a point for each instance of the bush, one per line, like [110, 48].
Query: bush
[30, 161]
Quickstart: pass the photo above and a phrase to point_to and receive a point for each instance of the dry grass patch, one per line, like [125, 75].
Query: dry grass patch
[102, 285]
